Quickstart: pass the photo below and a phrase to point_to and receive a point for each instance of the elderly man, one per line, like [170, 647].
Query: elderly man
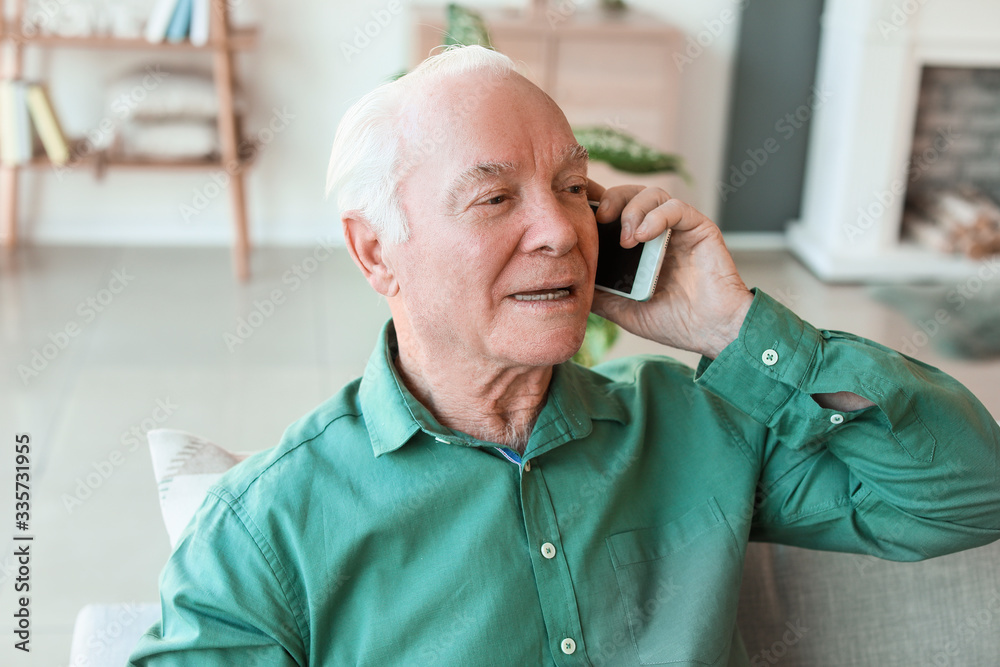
[477, 499]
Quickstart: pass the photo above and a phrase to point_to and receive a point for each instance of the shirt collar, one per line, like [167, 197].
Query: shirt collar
[577, 395]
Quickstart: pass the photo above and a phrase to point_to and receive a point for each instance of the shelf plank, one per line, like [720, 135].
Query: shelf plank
[240, 39]
[102, 161]
[129, 163]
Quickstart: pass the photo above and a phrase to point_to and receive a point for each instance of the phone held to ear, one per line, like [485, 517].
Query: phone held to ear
[628, 272]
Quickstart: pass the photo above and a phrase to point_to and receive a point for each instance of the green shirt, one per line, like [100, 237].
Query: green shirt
[373, 535]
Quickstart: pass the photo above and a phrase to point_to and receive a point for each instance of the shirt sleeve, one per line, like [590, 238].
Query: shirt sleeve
[914, 476]
[223, 598]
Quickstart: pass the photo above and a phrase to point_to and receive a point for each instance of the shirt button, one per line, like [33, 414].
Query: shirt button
[770, 357]
[568, 645]
[527, 466]
[837, 419]
[549, 551]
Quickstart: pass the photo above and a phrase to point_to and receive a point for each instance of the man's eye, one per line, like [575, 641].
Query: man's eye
[499, 199]
[577, 189]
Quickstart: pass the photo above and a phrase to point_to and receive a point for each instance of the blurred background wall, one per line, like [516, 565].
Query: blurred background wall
[300, 71]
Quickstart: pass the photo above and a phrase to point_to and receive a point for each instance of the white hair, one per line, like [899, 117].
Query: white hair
[367, 162]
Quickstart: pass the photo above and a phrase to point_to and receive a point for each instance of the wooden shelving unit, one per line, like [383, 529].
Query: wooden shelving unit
[223, 43]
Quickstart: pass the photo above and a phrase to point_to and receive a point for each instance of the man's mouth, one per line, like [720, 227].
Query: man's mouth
[543, 294]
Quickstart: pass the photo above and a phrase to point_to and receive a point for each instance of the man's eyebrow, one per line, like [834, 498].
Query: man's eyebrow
[573, 154]
[474, 175]
[478, 173]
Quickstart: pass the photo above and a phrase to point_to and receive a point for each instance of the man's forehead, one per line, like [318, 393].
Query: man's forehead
[463, 104]
[457, 129]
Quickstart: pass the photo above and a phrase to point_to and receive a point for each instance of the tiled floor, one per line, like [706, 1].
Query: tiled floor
[161, 340]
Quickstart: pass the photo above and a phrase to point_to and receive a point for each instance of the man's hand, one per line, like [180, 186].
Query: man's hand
[700, 300]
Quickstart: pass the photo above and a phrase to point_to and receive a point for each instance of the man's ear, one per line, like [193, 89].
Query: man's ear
[367, 252]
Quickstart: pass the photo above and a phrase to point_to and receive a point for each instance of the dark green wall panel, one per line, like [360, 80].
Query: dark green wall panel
[772, 103]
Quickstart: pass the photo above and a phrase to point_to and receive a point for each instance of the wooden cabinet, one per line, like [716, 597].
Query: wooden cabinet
[601, 67]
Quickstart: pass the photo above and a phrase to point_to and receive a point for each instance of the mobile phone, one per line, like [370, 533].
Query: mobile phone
[628, 272]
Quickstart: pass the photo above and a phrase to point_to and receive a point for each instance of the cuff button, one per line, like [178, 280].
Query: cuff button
[836, 419]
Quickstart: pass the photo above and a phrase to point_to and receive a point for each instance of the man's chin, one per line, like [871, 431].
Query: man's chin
[548, 348]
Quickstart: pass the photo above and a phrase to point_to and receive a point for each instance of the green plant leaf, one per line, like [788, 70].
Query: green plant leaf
[601, 336]
[466, 27]
[623, 152]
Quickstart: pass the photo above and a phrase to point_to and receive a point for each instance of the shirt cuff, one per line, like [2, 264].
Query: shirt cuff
[765, 366]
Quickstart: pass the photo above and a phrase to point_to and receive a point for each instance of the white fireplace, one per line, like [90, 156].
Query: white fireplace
[872, 54]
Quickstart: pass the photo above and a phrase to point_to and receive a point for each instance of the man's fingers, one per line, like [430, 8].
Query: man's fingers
[668, 215]
[672, 214]
[594, 190]
[613, 203]
[608, 305]
[645, 224]
[646, 212]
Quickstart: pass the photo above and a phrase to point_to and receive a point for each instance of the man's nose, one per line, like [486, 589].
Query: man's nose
[551, 228]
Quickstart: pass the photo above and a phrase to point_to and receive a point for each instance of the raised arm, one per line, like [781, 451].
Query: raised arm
[861, 448]
[913, 475]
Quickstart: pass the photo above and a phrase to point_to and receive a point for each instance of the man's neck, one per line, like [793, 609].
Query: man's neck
[489, 403]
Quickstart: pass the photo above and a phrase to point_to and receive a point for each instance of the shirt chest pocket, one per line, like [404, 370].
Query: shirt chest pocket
[679, 584]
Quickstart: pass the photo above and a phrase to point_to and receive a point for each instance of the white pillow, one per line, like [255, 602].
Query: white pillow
[105, 634]
[169, 139]
[157, 93]
[185, 466]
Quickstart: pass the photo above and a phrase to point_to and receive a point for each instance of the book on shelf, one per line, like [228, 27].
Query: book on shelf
[180, 22]
[177, 20]
[200, 10]
[47, 124]
[160, 19]
[15, 127]
[24, 105]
